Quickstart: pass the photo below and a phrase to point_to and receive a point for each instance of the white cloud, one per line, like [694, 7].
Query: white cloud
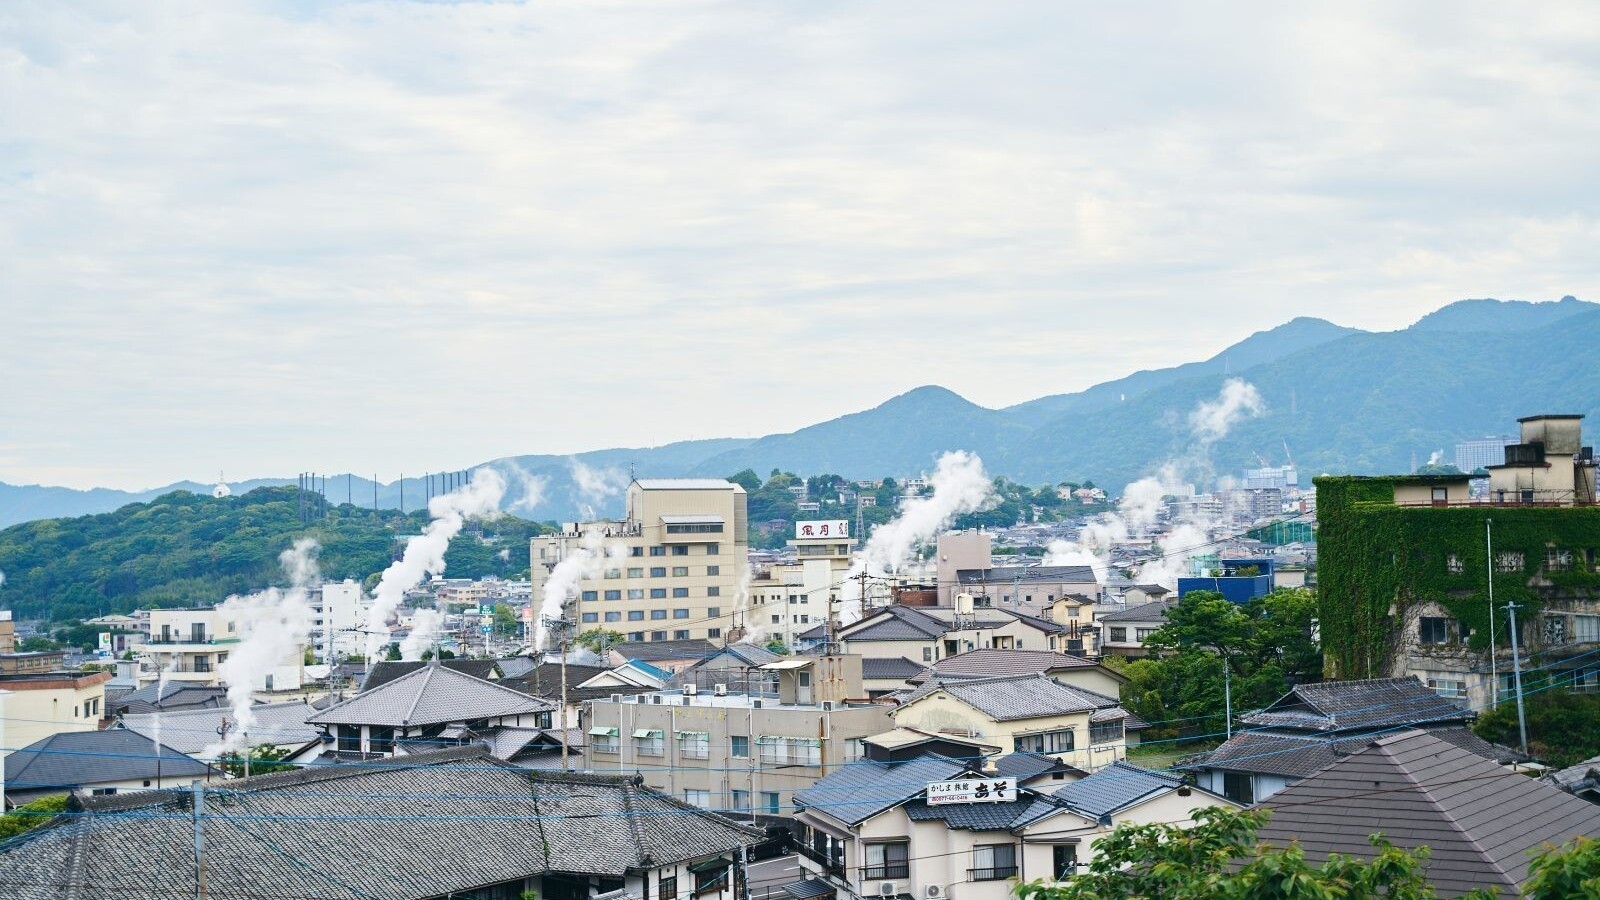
[362, 215]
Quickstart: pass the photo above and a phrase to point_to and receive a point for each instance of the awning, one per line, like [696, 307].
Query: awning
[710, 865]
[789, 664]
[602, 731]
[648, 732]
[808, 889]
[769, 739]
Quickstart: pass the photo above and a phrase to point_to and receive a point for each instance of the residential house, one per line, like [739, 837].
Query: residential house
[1581, 780]
[169, 696]
[191, 645]
[191, 731]
[1314, 725]
[1073, 671]
[1480, 821]
[735, 749]
[96, 762]
[928, 634]
[882, 676]
[583, 684]
[356, 832]
[670, 656]
[1028, 587]
[901, 744]
[1136, 594]
[430, 707]
[1035, 713]
[37, 706]
[384, 671]
[635, 673]
[1124, 632]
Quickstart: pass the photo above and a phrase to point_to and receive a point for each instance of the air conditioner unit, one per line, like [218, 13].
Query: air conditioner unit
[886, 889]
[720, 690]
[616, 698]
[934, 892]
[755, 704]
[690, 690]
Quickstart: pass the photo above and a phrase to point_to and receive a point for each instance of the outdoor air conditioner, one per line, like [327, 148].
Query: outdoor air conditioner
[689, 690]
[755, 704]
[616, 698]
[720, 690]
[934, 892]
[886, 889]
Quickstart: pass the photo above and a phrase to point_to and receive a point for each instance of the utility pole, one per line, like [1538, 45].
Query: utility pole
[197, 810]
[1227, 695]
[1516, 668]
[1494, 667]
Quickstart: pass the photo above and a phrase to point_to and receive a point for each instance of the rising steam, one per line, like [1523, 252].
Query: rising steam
[595, 486]
[273, 627]
[424, 553]
[1211, 420]
[587, 560]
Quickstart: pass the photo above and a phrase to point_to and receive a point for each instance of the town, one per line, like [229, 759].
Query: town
[889, 707]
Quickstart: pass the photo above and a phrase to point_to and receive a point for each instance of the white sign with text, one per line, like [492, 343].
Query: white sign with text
[972, 790]
[838, 528]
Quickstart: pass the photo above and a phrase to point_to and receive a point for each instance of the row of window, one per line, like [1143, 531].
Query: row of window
[675, 549]
[1556, 559]
[642, 594]
[990, 862]
[658, 572]
[1065, 740]
[774, 749]
[739, 801]
[1119, 633]
[638, 615]
[681, 634]
[801, 619]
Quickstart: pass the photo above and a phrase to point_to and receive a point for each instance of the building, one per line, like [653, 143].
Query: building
[1124, 632]
[99, 763]
[790, 597]
[8, 633]
[1480, 821]
[384, 671]
[1279, 478]
[191, 731]
[1314, 725]
[1028, 588]
[1072, 671]
[960, 551]
[423, 710]
[1470, 456]
[32, 663]
[671, 568]
[339, 613]
[1079, 727]
[745, 749]
[356, 832]
[169, 696]
[928, 634]
[191, 645]
[1404, 564]
[38, 706]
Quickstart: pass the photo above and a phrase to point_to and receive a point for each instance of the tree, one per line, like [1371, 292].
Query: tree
[1571, 870]
[1218, 857]
[597, 639]
[747, 479]
[37, 644]
[29, 816]
[264, 758]
[393, 653]
[505, 619]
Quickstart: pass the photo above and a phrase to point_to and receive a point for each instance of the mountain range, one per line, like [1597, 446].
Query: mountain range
[1340, 399]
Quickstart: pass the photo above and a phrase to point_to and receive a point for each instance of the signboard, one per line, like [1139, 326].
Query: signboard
[838, 528]
[972, 790]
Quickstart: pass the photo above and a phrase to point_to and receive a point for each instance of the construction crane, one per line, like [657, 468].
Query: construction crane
[1288, 456]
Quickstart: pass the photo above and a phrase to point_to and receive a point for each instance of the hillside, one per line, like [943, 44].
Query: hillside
[183, 548]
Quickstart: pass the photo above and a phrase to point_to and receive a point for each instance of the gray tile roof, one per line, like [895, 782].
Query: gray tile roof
[430, 695]
[514, 666]
[1024, 697]
[70, 759]
[1294, 755]
[1350, 705]
[1143, 612]
[990, 663]
[896, 623]
[381, 673]
[860, 790]
[898, 668]
[177, 695]
[1025, 809]
[193, 730]
[1479, 819]
[1024, 766]
[544, 680]
[740, 654]
[368, 831]
[653, 651]
[1115, 787]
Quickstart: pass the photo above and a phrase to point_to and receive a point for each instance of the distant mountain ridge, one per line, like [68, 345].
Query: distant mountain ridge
[1340, 399]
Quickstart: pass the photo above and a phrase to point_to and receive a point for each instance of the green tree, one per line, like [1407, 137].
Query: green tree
[29, 816]
[747, 479]
[1563, 727]
[1219, 858]
[264, 758]
[1571, 870]
[596, 639]
[505, 619]
[393, 653]
[36, 644]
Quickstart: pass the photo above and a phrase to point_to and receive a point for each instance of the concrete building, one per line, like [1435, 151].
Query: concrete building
[672, 566]
[339, 611]
[746, 749]
[191, 644]
[41, 705]
[1125, 631]
[8, 632]
[960, 551]
[789, 598]
[1470, 456]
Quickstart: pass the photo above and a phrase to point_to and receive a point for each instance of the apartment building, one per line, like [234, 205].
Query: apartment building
[928, 634]
[672, 567]
[1416, 602]
[339, 612]
[190, 645]
[789, 598]
[38, 706]
[743, 747]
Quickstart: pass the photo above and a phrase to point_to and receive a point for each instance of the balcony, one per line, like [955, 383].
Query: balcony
[887, 872]
[829, 865]
[998, 873]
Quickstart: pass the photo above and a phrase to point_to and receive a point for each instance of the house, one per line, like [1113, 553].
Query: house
[1124, 632]
[1314, 725]
[1581, 780]
[668, 655]
[356, 832]
[37, 706]
[1028, 587]
[191, 645]
[882, 676]
[901, 744]
[1074, 671]
[170, 696]
[96, 762]
[385, 671]
[928, 634]
[1036, 770]
[1035, 713]
[932, 826]
[635, 673]
[191, 731]
[1135, 594]
[1479, 820]
[545, 681]
[427, 708]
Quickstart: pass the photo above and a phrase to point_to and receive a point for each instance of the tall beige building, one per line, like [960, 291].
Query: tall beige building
[787, 599]
[673, 567]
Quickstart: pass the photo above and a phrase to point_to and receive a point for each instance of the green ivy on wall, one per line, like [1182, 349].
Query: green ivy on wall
[1374, 557]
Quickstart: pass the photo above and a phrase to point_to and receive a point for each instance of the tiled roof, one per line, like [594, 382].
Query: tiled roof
[74, 758]
[653, 651]
[1479, 819]
[381, 673]
[1348, 705]
[358, 831]
[430, 695]
[544, 680]
[897, 667]
[177, 695]
[516, 666]
[747, 654]
[896, 623]
[860, 790]
[990, 663]
[1142, 612]
[193, 730]
[1025, 765]
[1005, 575]
[1300, 755]
[1024, 697]
[983, 816]
[1117, 786]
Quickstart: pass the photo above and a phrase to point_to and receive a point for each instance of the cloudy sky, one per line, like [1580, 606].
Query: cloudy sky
[396, 236]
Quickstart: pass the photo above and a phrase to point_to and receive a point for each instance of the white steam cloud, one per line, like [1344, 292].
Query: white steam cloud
[587, 560]
[530, 488]
[1211, 420]
[1436, 457]
[424, 553]
[595, 486]
[426, 626]
[273, 627]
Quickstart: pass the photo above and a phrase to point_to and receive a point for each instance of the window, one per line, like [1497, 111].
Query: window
[681, 549]
[714, 591]
[635, 593]
[658, 571]
[1507, 688]
[635, 551]
[658, 551]
[649, 741]
[1448, 685]
[1119, 633]
[1064, 860]
[854, 749]
[611, 616]
[1045, 742]
[805, 751]
[1439, 495]
[591, 595]
[713, 611]
[777, 619]
[739, 746]
[1586, 629]
[1454, 565]
[769, 802]
[680, 571]
[635, 636]
[1509, 561]
[591, 618]
[658, 635]
[102, 792]
[680, 613]
[1105, 732]
[698, 798]
[892, 860]
[694, 744]
[713, 570]
[613, 595]
[658, 614]
[927, 654]
[658, 593]
[805, 619]
[1433, 630]
[773, 749]
[712, 549]
[1236, 786]
[636, 572]
[680, 592]
[669, 888]
[741, 802]
[993, 862]
[634, 615]
[1557, 560]
[202, 663]
[1586, 680]
[1143, 634]
[381, 740]
[613, 573]
[713, 632]
[681, 634]
[349, 738]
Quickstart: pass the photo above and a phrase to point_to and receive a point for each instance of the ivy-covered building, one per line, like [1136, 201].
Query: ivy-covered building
[1405, 561]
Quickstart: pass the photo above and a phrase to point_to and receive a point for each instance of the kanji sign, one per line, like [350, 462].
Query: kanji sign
[972, 790]
[839, 528]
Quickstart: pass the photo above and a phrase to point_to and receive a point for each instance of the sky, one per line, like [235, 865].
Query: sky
[261, 238]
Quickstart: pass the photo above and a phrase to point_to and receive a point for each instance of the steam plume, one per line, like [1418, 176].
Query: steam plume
[273, 627]
[424, 553]
[587, 560]
[426, 626]
[595, 486]
[529, 488]
[1211, 420]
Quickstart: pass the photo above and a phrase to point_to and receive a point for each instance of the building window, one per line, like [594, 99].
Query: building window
[613, 595]
[590, 595]
[680, 592]
[680, 613]
[1586, 680]
[658, 551]
[636, 572]
[1586, 629]
[591, 618]
[1236, 786]
[713, 570]
[635, 551]
[774, 750]
[634, 615]
[649, 741]
[854, 749]
[681, 634]
[658, 571]
[1143, 634]
[713, 549]
[1454, 565]
[658, 635]
[635, 593]
[777, 619]
[635, 636]
[993, 862]
[381, 740]
[1119, 633]
[714, 591]
[713, 611]
[669, 888]
[741, 802]
[611, 616]
[805, 751]
[1509, 561]
[102, 792]
[1105, 732]
[1433, 630]
[698, 798]
[1064, 860]
[682, 549]
[891, 860]
[694, 744]
[604, 740]
[1557, 560]
[680, 571]
[1448, 685]
[613, 573]
[658, 593]
[927, 654]
[739, 746]
[658, 614]
[713, 632]
[769, 802]
[1061, 741]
